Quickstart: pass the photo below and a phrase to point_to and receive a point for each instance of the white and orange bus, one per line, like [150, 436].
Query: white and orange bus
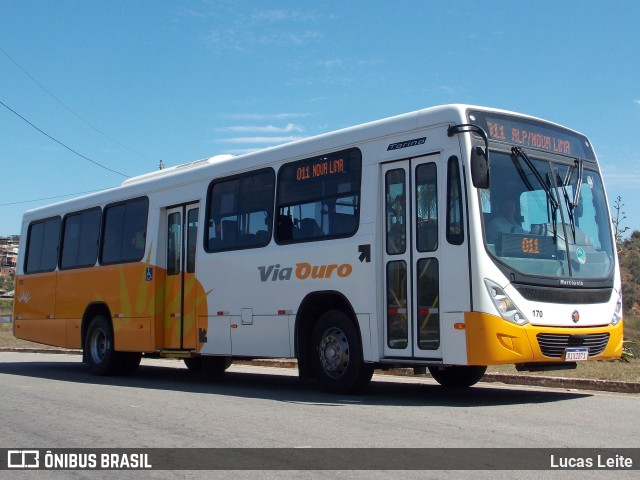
[453, 238]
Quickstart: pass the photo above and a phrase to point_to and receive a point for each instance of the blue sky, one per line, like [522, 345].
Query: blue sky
[129, 83]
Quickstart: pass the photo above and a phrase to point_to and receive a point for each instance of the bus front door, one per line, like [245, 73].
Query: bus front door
[180, 293]
[418, 258]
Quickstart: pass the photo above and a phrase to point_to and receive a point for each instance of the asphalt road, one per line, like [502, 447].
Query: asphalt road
[50, 401]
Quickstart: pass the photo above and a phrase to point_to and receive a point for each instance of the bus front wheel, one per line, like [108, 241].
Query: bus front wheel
[337, 355]
[457, 376]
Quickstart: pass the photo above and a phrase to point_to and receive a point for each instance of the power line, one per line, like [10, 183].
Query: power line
[60, 143]
[86, 122]
[47, 198]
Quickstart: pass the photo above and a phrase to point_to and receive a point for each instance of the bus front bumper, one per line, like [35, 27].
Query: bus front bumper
[493, 341]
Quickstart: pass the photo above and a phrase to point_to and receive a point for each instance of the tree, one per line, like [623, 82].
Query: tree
[618, 217]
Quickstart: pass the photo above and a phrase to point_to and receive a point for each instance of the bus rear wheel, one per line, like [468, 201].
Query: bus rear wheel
[337, 355]
[457, 376]
[99, 351]
[98, 347]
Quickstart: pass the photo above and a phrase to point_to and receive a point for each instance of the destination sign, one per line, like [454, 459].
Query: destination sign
[320, 168]
[518, 245]
[532, 134]
[335, 174]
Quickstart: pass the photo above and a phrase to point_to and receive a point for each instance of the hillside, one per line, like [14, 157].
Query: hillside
[629, 256]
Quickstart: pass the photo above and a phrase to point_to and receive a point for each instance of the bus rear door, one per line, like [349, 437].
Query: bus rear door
[180, 292]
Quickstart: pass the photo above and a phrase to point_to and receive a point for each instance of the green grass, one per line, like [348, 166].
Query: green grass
[632, 334]
[6, 306]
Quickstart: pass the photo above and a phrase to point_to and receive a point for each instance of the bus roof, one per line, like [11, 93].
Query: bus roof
[228, 164]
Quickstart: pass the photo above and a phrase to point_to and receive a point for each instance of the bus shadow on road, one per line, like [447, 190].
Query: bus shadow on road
[285, 387]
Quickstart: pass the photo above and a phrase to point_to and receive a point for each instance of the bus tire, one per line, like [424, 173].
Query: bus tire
[213, 367]
[457, 376]
[337, 355]
[98, 347]
[194, 364]
[127, 362]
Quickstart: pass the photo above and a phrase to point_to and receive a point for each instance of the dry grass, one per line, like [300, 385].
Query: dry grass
[7, 340]
[603, 370]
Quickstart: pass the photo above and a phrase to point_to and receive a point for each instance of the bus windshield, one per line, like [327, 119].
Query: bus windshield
[559, 228]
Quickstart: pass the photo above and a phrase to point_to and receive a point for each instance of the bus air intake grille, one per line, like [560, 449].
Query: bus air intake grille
[564, 295]
[554, 345]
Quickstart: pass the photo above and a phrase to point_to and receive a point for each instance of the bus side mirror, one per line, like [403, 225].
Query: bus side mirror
[479, 157]
[480, 167]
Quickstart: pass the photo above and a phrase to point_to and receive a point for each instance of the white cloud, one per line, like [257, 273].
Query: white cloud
[293, 38]
[287, 15]
[242, 151]
[265, 140]
[239, 33]
[262, 129]
[637, 101]
[619, 176]
[331, 63]
[265, 116]
[448, 89]
[273, 15]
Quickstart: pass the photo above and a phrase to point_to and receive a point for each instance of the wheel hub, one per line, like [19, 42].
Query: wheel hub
[98, 346]
[334, 352]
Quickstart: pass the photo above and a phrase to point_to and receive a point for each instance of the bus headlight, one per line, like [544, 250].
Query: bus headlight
[504, 304]
[617, 313]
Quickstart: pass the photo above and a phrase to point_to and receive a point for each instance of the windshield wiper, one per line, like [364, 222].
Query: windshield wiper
[576, 196]
[519, 153]
[573, 204]
[570, 205]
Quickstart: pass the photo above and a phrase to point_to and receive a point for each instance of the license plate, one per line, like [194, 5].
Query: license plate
[576, 354]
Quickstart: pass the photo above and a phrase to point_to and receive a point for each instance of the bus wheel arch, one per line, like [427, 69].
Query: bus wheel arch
[93, 310]
[336, 357]
[312, 307]
[328, 335]
[98, 345]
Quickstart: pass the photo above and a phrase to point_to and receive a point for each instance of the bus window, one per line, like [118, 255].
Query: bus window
[81, 233]
[455, 227]
[240, 211]
[174, 244]
[124, 232]
[395, 200]
[397, 310]
[319, 198]
[42, 246]
[427, 207]
[192, 233]
[428, 304]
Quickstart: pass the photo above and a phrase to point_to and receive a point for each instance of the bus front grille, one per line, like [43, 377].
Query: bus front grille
[554, 345]
[564, 295]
